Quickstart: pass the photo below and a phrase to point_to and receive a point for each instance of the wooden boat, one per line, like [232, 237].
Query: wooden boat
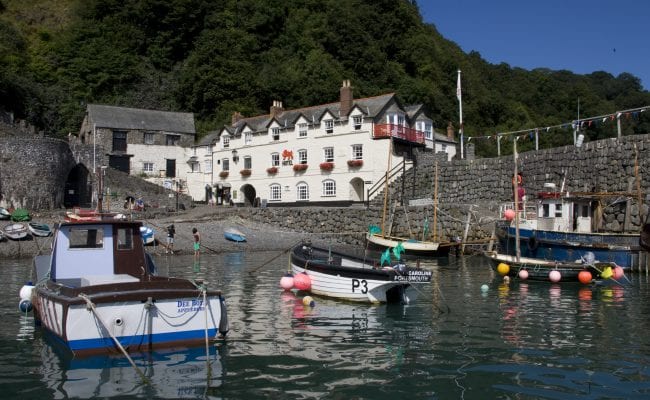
[411, 246]
[538, 269]
[148, 235]
[38, 229]
[16, 231]
[343, 276]
[98, 292]
[563, 227]
[234, 235]
[4, 214]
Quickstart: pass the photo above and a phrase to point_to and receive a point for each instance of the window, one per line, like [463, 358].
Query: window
[302, 156]
[302, 130]
[302, 191]
[275, 133]
[329, 126]
[329, 188]
[225, 140]
[148, 138]
[275, 159]
[172, 140]
[147, 167]
[208, 165]
[328, 154]
[119, 140]
[124, 239]
[208, 150]
[357, 120]
[248, 162]
[195, 167]
[275, 192]
[248, 138]
[225, 164]
[86, 238]
[357, 152]
[400, 120]
[428, 132]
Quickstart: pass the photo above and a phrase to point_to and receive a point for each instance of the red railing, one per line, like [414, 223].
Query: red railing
[397, 131]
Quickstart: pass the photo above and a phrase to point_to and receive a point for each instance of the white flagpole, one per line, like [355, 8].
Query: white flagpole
[460, 112]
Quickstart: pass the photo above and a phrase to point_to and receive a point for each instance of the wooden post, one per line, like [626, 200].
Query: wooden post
[469, 216]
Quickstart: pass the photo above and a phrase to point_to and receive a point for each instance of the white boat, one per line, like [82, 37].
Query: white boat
[98, 292]
[38, 229]
[411, 246]
[16, 231]
[343, 276]
[4, 214]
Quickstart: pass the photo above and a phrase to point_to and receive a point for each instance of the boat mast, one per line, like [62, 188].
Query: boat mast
[515, 186]
[383, 215]
[435, 205]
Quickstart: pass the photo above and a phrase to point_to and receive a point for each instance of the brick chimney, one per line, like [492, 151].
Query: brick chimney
[276, 108]
[450, 131]
[346, 98]
[236, 116]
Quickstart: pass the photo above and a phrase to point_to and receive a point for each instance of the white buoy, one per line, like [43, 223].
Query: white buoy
[484, 288]
[25, 304]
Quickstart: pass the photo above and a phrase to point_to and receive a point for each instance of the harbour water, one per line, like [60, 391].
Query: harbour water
[530, 340]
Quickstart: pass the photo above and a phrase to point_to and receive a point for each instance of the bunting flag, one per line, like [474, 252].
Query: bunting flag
[398, 250]
[373, 229]
[385, 257]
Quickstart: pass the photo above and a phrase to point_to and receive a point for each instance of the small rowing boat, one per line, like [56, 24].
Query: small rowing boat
[16, 231]
[234, 235]
[38, 229]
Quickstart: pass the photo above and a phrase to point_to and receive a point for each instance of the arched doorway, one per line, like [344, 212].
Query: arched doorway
[78, 189]
[356, 190]
[249, 194]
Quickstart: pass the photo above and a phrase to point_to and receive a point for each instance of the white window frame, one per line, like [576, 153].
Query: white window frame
[302, 130]
[328, 154]
[195, 166]
[149, 138]
[147, 164]
[357, 152]
[275, 159]
[329, 126]
[275, 134]
[357, 121]
[225, 141]
[275, 192]
[302, 156]
[248, 162]
[329, 188]
[208, 165]
[302, 191]
[225, 164]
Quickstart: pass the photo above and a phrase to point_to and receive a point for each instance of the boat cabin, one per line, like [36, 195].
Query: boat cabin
[99, 252]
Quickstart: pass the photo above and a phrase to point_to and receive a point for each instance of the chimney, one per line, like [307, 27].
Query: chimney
[346, 98]
[276, 108]
[236, 116]
[450, 131]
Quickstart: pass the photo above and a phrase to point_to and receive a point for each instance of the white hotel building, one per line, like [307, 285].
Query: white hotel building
[325, 154]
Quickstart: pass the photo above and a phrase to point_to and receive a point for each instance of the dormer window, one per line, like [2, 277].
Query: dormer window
[248, 138]
[302, 130]
[275, 133]
[357, 120]
[329, 126]
[226, 141]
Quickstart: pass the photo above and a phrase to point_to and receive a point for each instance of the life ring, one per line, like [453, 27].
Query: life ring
[533, 242]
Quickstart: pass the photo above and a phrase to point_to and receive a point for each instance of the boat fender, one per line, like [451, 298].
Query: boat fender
[25, 306]
[533, 242]
[223, 322]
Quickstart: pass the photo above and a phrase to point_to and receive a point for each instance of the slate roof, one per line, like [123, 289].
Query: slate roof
[133, 118]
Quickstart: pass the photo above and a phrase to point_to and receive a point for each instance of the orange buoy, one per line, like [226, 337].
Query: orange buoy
[584, 277]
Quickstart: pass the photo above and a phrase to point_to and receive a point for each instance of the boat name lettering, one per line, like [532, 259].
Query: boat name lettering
[189, 305]
[414, 276]
[361, 285]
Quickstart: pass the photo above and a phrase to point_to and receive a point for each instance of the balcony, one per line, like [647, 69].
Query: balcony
[398, 132]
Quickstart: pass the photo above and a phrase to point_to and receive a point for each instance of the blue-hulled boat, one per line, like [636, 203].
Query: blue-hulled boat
[234, 235]
[561, 227]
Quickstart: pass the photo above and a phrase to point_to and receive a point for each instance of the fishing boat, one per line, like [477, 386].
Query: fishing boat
[339, 275]
[16, 231]
[562, 226]
[4, 214]
[39, 229]
[234, 235]
[148, 235]
[551, 271]
[99, 292]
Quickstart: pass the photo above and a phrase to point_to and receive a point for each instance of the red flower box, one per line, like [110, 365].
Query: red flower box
[272, 170]
[300, 167]
[355, 163]
[245, 172]
[223, 174]
[327, 166]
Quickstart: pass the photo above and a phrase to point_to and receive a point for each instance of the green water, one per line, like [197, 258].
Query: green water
[518, 341]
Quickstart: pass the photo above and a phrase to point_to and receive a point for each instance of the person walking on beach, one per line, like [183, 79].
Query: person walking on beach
[197, 242]
[170, 239]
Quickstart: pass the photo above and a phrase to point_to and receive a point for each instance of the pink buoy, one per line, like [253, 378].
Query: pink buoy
[509, 214]
[554, 276]
[302, 281]
[523, 274]
[618, 272]
[286, 282]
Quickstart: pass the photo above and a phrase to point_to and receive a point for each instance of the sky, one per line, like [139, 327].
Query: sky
[581, 36]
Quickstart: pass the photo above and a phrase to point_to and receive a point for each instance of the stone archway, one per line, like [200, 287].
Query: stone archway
[78, 188]
[357, 190]
[249, 194]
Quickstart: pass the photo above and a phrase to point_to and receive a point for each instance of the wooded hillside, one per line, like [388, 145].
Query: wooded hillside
[216, 57]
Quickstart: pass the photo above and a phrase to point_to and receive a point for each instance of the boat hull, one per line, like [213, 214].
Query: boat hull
[41, 230]
[539, 270]
[411, 247]
[234, 236]
[140, 319]
[16, 231]
[622, 249]
[355, 279]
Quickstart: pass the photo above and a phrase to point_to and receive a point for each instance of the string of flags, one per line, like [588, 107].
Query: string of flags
[582, 123]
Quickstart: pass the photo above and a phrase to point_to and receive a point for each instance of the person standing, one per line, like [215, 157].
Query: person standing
[197, 242]
[170, 239]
